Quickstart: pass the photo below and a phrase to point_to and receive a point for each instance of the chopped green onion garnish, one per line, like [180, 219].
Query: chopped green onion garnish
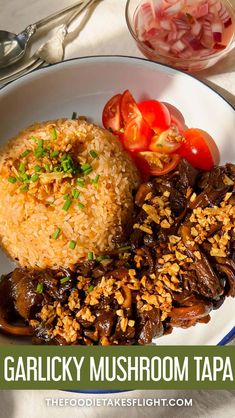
[66, 196]
[34, 178]
[39, 288]
[54, 154]
[106, 262]
[67, 164]
[25, 153]
[90, 288]
[67, 204]
[22, 167]
[53, 134]
[102, 257]
[80, 205]
[37, 168]
[47, 168]
[40, 143]
[33, 138]
[64, 157]
[75, 193]
[38, 152]
[85, 167]
[12, 179]
[125, 248]
[88, 171]
[72, 245]
[80, 182]
[24, 177]
[96, 179]
[56, 233]
[93, 154]
[65, 279]
[24, 188]
[74, 115]
[90, 256]
[57, 169]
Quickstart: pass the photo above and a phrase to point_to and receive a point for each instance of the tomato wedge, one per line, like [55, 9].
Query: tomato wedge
[153, 132]
[137, 134]
[177, 119]
[199, 149]
[129, 108]
[156, 164]
[155, 114]
[111, 116]
[165, 142]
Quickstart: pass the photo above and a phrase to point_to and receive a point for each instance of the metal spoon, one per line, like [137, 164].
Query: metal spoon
[53, 50]
[13, 47]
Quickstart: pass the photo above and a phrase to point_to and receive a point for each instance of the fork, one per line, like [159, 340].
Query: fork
[53, 50]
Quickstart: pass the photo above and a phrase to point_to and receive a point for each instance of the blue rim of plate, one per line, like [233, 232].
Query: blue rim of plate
[227, 337]
[231, 333]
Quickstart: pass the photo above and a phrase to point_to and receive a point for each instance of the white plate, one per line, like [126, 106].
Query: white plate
[84, 85]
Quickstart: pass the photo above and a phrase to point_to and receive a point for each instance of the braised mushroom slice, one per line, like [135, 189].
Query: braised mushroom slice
[142, 192]
[188, 174]
[8, 314]
[150, 326]
[186, 316]
[104, 323]
[206, 275]
[227, 267]
[24, 290]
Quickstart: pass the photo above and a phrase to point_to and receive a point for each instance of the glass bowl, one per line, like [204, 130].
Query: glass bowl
[193, 64]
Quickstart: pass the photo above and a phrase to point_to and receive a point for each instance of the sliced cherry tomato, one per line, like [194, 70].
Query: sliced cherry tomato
[165, 142]
[129, 108]
[111, 116]
[141, 164]
[156, 164]
[199, 149]
[177, 118]
[137, 134]
[155, 114]
[178, 124]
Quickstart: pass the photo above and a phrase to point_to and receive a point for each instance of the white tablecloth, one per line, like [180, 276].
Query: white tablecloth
[106, 33]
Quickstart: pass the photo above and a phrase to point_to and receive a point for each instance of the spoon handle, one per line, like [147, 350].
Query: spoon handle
[28, 32]
[58, 14]
[84, 5]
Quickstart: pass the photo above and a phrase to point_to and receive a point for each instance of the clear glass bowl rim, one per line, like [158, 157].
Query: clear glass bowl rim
[151, 51]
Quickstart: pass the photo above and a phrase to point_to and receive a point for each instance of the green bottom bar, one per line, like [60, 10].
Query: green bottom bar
[117, 368]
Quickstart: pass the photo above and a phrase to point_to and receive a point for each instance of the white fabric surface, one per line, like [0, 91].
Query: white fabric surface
[106, 33]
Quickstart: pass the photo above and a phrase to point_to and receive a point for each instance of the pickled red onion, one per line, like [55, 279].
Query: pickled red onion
[223, 13]
[217, 30]
[182, 28]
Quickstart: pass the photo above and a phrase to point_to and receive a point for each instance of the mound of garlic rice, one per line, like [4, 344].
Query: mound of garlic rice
[66, 190]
